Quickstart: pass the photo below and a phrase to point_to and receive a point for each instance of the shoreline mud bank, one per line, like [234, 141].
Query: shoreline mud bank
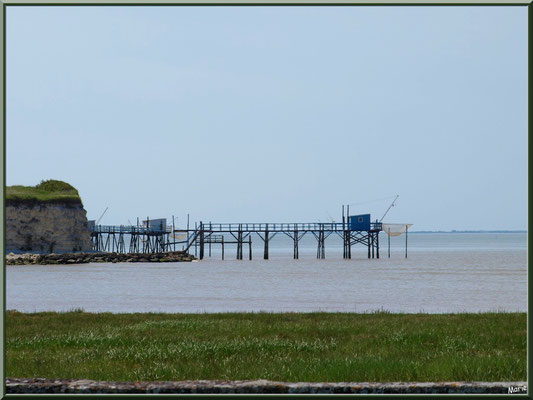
[83, 258]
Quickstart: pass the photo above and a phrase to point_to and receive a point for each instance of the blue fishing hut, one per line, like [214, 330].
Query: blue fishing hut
[360, 229]
[359, 222]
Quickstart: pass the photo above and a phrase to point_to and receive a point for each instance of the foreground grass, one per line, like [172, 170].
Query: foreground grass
[284, 347]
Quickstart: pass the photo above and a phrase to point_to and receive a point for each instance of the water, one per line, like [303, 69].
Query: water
[443, 273]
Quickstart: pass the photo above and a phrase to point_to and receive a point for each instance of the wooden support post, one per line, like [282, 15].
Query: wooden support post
[344, 249]
[322, 242]
[323, 255]
[239, 244]
[368, 243]
[250, 245]
[201, 241]
[296, 239]
[318, 245]
[373, 244]
[266, 243]
[241, 240]
[406, 229]
[196, 239]
[377, 244]
[346, 244]
[349, 244]
[222, 246]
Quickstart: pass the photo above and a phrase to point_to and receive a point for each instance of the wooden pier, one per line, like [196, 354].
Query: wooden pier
[144, 239]
[154, 236]
[206, 234]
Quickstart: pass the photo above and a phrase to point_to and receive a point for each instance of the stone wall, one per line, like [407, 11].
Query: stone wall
[46, 228]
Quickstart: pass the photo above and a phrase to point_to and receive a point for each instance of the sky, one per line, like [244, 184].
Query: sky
[274, 114]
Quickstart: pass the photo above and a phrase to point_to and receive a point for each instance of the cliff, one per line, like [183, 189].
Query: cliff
[46, 218]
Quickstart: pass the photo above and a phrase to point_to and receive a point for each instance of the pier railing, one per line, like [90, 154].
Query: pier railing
[129, 229]
[281, 227]
[235, 227]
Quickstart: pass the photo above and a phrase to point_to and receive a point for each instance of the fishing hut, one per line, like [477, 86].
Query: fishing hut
[152, 236]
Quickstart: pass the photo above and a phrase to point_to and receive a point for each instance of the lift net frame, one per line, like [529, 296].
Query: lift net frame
[395, 229]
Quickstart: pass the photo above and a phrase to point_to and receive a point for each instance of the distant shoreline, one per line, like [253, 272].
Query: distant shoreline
[454, 231]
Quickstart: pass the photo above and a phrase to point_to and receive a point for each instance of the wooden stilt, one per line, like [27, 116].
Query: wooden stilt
[349, 238]
[239, 244]
[368, 243]
[345, 242]
[196, 240]
[318, 245]
[406, 229]
[201, 240]
[323, 243]
[296, 239]
[377, 244]
[266, 243]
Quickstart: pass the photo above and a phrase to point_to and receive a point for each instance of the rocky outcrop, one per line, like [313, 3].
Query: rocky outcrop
[81, 258]
[46, 228]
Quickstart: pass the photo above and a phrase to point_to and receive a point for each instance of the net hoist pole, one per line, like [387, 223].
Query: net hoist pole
[392, 205]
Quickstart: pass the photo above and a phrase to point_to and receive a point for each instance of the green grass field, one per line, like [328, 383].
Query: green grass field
[282, 347]
[50, 191]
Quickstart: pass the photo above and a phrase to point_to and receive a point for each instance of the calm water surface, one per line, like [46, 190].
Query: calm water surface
[443, 273]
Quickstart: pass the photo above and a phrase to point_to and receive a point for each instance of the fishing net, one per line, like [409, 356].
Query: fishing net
[395, 229]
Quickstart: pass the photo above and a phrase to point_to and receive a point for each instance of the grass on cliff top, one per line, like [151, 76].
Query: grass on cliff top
[281, 347]
[50, 191]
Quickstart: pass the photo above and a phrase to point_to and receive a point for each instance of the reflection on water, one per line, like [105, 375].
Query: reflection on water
[444, 273]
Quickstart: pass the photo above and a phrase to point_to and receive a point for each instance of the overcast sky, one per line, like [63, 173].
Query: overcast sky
[274, 114]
